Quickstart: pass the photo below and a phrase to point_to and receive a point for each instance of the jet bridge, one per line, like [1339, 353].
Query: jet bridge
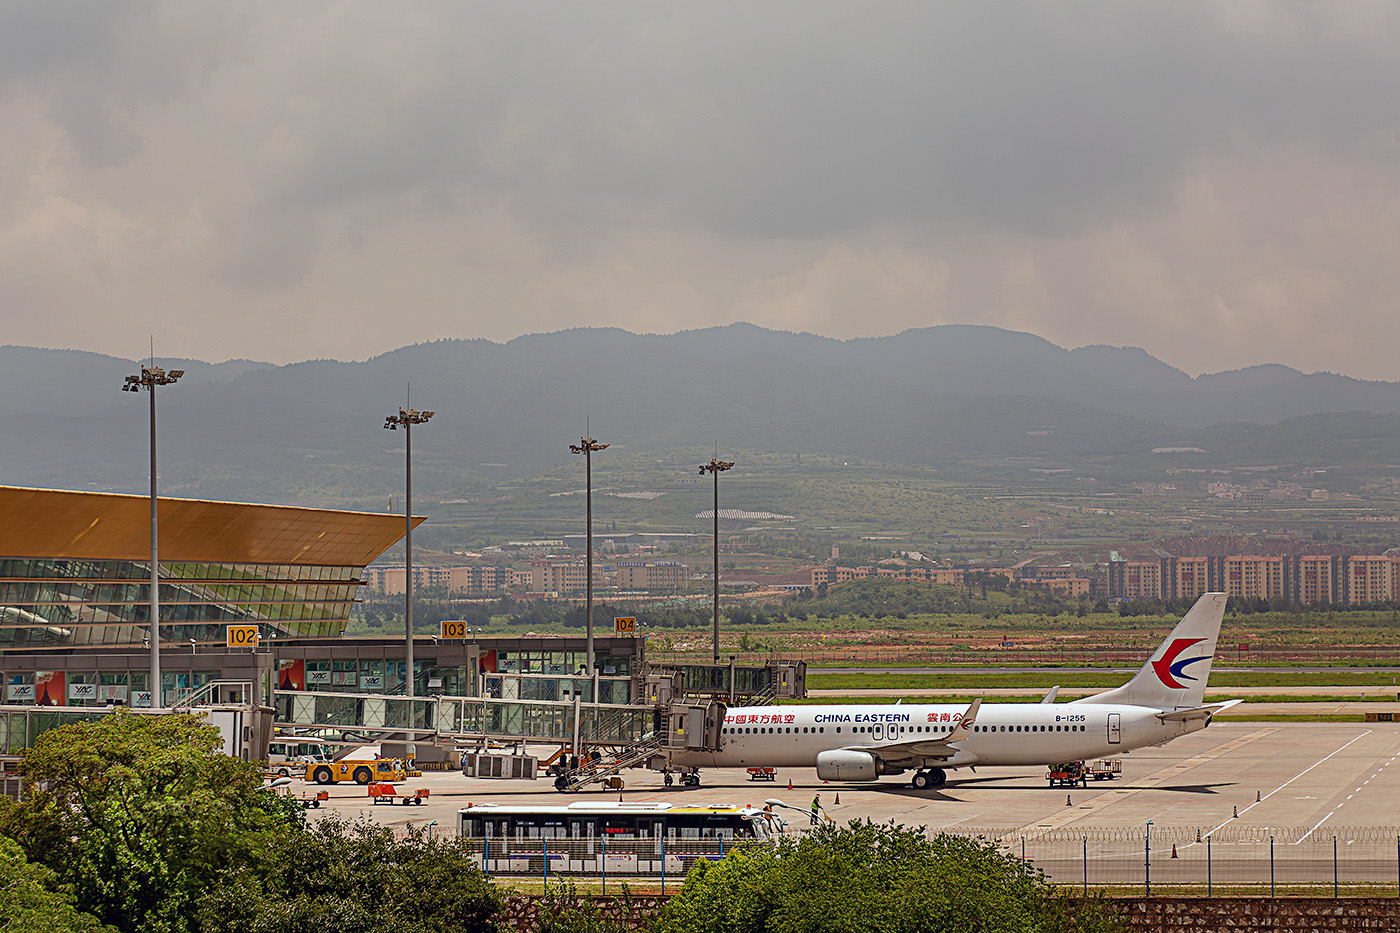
[693, 726]
[636, 720]
[449, 722]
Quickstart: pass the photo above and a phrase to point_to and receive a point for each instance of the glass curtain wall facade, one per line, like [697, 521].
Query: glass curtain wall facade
[75, 568]
[81, 603]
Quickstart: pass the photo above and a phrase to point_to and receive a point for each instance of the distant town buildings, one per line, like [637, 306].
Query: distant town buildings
[458, 580]
[1306, 578]
[561, 577]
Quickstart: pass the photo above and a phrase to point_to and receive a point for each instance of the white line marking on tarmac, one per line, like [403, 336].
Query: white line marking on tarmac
[1292, 779]
[1171, 772]
[1319, 823]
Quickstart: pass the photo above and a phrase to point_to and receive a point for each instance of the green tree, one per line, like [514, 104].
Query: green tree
[357, 878]
[875, 878]
[140, 816]
[30, 901]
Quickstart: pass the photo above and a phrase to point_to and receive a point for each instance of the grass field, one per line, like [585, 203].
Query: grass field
[818, 680]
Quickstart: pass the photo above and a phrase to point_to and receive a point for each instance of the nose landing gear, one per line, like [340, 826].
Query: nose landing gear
[930, 778]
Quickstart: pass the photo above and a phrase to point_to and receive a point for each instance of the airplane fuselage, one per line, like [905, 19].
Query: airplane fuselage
[1001, 734]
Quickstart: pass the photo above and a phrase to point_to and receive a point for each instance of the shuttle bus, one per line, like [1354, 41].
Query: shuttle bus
[288, 755]
[646, 838]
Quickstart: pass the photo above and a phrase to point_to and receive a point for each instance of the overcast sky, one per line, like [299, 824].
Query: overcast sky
[1218, 182]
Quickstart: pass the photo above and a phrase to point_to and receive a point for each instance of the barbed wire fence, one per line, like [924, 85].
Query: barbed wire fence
[1262, 857]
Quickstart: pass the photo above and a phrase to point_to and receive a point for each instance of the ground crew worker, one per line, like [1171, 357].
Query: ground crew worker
[816, 809]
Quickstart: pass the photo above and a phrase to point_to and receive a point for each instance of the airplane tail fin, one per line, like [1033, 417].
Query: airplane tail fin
[1174, 677]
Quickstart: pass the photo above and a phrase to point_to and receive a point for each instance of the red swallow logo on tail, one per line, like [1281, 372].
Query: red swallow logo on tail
[1168, 668]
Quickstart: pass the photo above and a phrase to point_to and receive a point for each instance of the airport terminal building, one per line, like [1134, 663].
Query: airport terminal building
[75, 600]
[75, 587]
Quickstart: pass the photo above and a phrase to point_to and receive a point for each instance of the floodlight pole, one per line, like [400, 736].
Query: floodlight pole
[586, 446]
[151, 377]
[716, 467]
[408, 417]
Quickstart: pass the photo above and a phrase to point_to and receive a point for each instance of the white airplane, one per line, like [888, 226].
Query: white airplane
[1162, 702]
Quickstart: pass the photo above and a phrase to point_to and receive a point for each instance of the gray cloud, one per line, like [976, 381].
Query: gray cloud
[1210, 181]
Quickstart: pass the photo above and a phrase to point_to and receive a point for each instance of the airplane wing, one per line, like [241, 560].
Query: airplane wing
[1199, 712]
[943, 747]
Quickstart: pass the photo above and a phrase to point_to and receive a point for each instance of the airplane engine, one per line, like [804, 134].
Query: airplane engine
[843, 765]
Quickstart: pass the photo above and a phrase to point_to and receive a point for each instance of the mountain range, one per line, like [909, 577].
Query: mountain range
[311, 432]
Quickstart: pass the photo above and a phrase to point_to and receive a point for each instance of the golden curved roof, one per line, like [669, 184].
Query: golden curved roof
[65, 524]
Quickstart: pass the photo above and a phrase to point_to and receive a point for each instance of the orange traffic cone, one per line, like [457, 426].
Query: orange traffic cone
[1173, 850]
[838, 796]
[1067, 802]
[789, 783]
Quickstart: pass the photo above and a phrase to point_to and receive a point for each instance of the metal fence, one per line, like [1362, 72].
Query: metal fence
[1228, 856]
[1144, 857]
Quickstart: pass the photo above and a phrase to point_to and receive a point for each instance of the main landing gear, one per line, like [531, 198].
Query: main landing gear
[933, 777]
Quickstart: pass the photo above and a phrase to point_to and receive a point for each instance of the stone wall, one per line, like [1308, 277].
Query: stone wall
[1142, 915]
[1282, 914]
[522, 911]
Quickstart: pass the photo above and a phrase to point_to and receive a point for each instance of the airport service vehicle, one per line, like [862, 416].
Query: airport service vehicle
[361, 771]
[1105, 769]
[387, 793]
[641, 838]
[1163, 701]
[1067, 774]
[289, 755]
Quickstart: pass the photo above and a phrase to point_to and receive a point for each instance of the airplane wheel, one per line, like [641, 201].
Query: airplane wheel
[920, 781]
[561, 783]
[937, 777]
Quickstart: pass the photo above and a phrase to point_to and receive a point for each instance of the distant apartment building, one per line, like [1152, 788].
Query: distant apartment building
[563, 577]
[653, 575]
[1135, 579]
[468, 579]
[1306, 578]
[1189, 576]
[1058, 572]
[1251, 577]
[946, 575]
[457, 580]
[1154, 489]
[1316, 578]
[1370, 578]
[1073, 587]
